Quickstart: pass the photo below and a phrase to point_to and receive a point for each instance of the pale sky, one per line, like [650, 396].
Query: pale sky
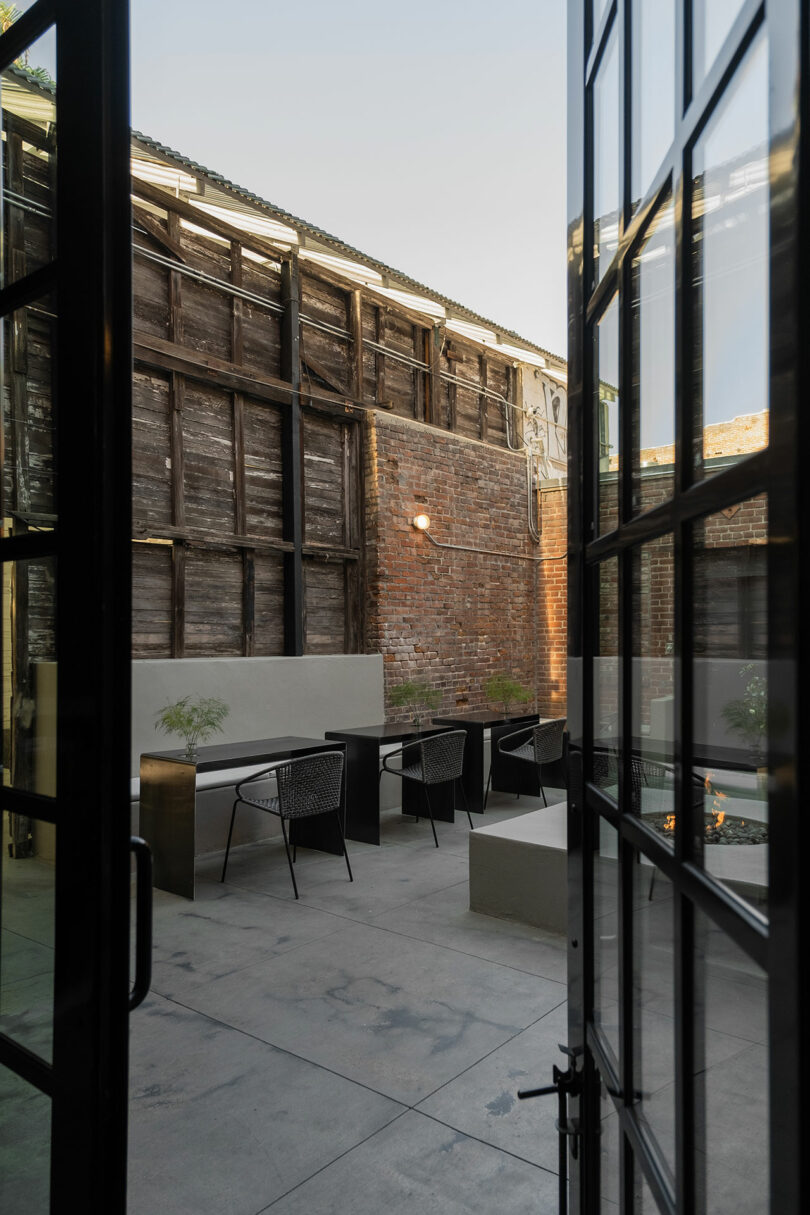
[430, 135]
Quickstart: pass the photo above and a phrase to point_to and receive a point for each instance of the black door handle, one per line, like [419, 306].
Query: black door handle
[143, 920]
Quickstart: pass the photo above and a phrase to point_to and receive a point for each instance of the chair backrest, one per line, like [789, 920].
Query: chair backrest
[547, 739]
[311, 784]
[650, 775]
[442, 756]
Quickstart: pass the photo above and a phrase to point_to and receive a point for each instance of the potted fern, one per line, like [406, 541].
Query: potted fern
[748, 717]
[420, 697]
[194, 719]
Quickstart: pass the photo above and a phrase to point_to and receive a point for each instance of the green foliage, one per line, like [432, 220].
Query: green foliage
[417, 695]
[8, 15]
[504, 690]
[194, 719]
[748, 715]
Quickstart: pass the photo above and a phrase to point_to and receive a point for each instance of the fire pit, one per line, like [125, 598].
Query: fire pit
[718, 827]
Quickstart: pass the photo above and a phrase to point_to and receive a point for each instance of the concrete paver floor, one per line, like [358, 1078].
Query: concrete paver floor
[356, 1051]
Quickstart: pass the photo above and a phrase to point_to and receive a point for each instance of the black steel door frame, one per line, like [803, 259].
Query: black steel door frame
[778, 945]
[91, 280]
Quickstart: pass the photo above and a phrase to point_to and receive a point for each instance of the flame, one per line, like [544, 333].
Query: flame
[669, 825]
[719, 818]
[707, 784]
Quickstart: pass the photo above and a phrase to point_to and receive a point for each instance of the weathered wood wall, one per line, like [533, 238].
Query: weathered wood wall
[252, 370]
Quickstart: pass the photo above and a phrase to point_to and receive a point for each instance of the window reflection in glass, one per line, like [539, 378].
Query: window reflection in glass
[731, 1073]
[711, 22]
[654, 1006]
[25, 1135]
[730, 260]
[730, 678]
[609, 1154]
[653, 794]
[606, 935]
[606, 175]
[606, 420]
[606, 703]
[28, 98]
[653, 89]
[28, 677]
[28, 338]
[27, 891]
[653, 279]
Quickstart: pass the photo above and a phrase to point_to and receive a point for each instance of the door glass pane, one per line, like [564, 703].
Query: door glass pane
[606, 175]
[599, 9]
[730, 260]
[606, 421]
[711, 22]
[731, 1074]
[609, 1154]
[28, 632]
[28, 98]
[25, 1146]
[654, 1006]
[653, 278]
[27, 448]
[27, 932]
[606, 935]
[643, 1201]
[653, 89]
[606, 680]
[653, 684]
[731, 697]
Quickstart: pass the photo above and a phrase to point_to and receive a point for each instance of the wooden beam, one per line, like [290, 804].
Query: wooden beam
[418, 374]
[178, 206]
[178, 610]
[433, 411]
[199, 537]
[379, 359]
[158, 234]
[324, 374]
[356, 330]
[167, 356]
[292, 458]
[248, 602]
[177, 390]
[482, 398]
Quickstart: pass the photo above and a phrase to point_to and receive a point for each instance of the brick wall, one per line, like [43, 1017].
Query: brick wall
[454, 618]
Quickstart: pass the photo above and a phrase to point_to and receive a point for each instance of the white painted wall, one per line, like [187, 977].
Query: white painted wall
[268, 698]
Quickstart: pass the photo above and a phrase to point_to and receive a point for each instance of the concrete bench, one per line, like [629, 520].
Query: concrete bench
[518, 869]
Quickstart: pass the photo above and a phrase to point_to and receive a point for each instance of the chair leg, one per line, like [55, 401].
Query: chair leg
[228, 845]
[343, 841]
[460, 783]
[430, 812]
[542, 790]
[489, 778]
[289, 858]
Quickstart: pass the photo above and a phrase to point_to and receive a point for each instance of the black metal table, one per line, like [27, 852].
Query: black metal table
[476, 724]
[362, 778]
[168, 796]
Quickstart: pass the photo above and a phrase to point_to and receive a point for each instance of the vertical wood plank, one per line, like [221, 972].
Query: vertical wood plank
[482, 398]
[292, 457]
[418, 374]
[356, 329]
[248, 602]
[434, 414]
[178, 600]
[379, 359]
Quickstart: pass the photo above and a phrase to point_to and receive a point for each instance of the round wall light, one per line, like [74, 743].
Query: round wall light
[422, 522]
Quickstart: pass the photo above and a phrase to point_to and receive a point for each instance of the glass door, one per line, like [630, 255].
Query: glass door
[688, 322]
[64, 622]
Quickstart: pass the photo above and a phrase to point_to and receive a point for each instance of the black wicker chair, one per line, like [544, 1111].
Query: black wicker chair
[437, 760]
[309, 785]
[537, 745]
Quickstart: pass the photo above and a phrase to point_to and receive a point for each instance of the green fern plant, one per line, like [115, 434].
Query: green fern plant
[420, 697]
[505, 690]
[195, 719]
